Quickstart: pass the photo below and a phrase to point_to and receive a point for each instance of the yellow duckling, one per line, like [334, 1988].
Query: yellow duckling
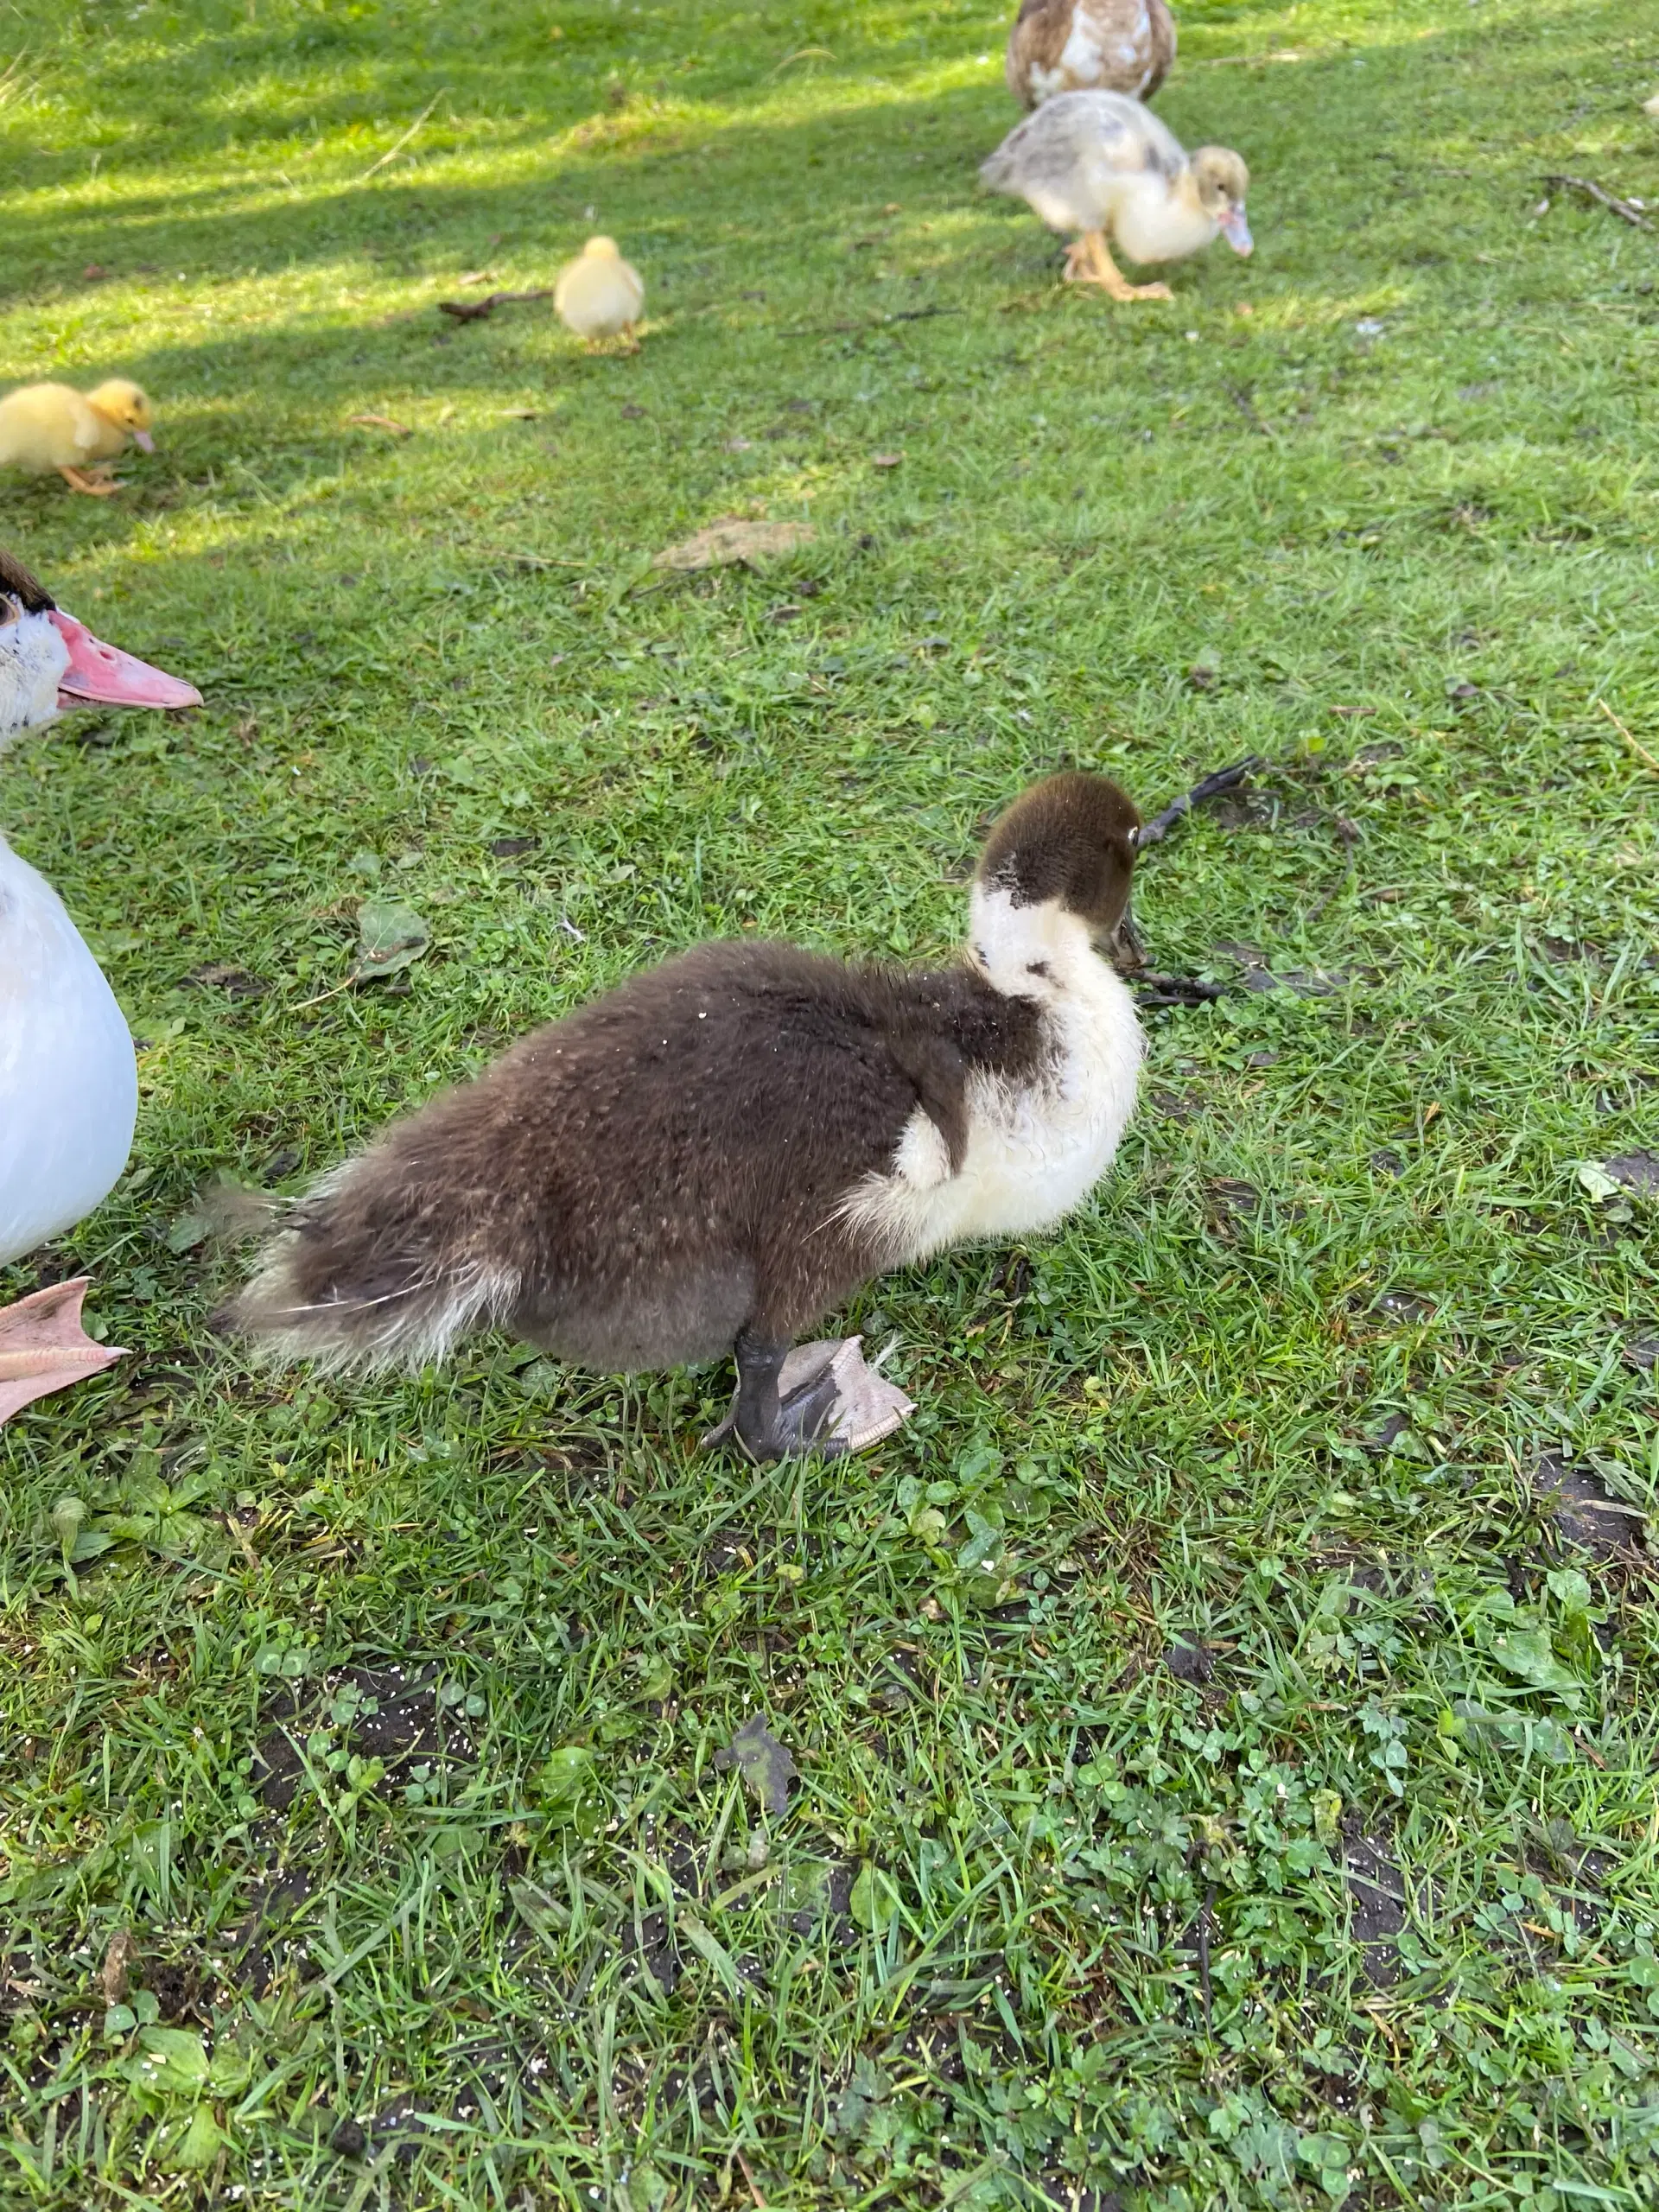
[47, 426]
[598, 295]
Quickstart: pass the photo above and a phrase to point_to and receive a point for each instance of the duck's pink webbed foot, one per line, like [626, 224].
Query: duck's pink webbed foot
[43, 1347]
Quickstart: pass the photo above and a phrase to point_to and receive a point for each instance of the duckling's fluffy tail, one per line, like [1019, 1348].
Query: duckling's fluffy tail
[375, 1269]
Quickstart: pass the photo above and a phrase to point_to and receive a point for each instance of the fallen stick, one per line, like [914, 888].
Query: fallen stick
[479, 310]
[1174, 990]
[1224, 779]
[392, 152]
[1640, 750]
[1591, 190]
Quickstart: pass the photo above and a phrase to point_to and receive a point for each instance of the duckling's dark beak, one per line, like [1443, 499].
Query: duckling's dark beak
[1237, 232]
[102, 676]
[1124, 947]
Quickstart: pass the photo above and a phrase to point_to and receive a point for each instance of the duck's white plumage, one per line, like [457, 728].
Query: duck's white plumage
[68, 1079]
[33, 658]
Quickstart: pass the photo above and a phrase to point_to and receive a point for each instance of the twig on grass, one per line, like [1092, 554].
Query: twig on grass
[880, 322]
[392, 152]
[528, 560]
[1155, 990]
[1639, 749]
[1224, 779]
[1626, 212]
[479, 310]
[760, 2201]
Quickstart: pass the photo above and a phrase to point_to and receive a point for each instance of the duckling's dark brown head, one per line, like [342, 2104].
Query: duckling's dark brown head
[1069, 841]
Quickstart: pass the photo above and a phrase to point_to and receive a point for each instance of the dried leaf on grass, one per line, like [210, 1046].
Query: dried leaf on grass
[390, 936]
[762, 1761]
[733, 540]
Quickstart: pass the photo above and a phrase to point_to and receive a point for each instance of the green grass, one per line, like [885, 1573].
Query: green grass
[1284, 1387]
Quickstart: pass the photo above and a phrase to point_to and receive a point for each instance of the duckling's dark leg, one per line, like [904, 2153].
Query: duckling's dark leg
[772, 1428]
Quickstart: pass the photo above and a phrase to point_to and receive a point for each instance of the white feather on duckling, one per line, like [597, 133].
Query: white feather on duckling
[1100, 165]
[45, 427]
[598, 295]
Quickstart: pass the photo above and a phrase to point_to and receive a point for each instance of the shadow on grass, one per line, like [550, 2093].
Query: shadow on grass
[725, 178]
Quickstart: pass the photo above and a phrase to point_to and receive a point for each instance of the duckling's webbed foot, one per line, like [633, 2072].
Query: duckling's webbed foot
[818, 1397]
[775, 1420]
[97, 484]
[1088, 262]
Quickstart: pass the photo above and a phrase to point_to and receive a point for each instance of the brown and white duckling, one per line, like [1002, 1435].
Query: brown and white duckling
[1089, 45]
[1102, 165]
[51, 426]
[721, 1150]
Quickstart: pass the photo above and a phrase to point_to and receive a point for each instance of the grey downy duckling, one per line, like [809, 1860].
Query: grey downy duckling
[1100, 165]
[712, 1155]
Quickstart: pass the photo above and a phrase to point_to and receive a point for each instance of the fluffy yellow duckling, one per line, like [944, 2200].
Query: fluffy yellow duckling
[598, 295]
[47, 426]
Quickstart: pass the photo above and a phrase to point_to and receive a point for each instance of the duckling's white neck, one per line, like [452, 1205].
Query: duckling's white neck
[1031, 951]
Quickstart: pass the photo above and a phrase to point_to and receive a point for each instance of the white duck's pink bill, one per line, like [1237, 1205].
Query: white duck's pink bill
[144, 443]
[103, 676]
[1237, 232]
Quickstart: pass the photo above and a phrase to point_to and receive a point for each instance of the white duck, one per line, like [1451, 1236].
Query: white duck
[1100, 164]
[68, 1084]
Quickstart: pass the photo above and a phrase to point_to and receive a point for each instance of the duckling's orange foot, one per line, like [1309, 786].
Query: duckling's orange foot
[97, 484]
[1089, 262]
